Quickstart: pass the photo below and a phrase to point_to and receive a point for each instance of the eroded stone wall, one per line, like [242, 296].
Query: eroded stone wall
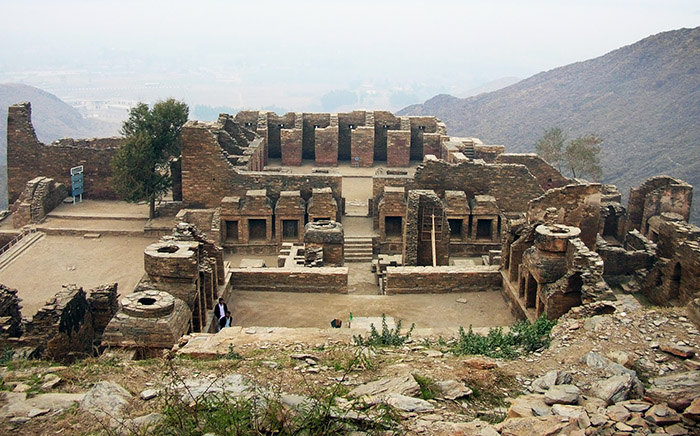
[28, 158]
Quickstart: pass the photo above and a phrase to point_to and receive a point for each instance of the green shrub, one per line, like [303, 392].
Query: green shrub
[522, 338]
[387, 338]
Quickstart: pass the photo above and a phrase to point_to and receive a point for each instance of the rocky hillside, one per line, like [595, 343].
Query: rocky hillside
[642, 98]
[632, 372]
[52, 118]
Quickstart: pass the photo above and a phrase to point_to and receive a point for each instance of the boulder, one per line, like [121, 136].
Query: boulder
[678, 389]
[106, 399]
[538, 426]
[526, 406]
[408, 404]
[614, 389]
[403, 385]
[662, 415]
[693, 411]
[677, 350]
[574, 412]
[562, 394]
[552, 378]
[452, 389]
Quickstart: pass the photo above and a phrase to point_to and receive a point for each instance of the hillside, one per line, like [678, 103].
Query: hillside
[642, 98]
[52, 119]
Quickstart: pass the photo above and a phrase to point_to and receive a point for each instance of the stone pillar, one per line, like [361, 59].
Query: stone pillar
[398, 148]
[326, 146]
[290, 143]
[362, 146]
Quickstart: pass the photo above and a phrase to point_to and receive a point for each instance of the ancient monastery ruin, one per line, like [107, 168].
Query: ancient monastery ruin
[437, 203]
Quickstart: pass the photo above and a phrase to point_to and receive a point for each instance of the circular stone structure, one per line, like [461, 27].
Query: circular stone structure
[554, 237]
[324, 232]
[148, 304]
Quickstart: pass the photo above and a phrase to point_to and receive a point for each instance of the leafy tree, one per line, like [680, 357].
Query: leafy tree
[152, 137]
[550, 146]
[581, 156]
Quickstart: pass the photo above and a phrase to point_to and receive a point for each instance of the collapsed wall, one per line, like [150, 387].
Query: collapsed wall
[28, 158]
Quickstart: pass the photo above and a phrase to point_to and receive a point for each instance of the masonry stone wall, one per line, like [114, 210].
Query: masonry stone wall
[573, 205]
[398, 143]
[441, 279]
[322, 279]
[208, 177]
[656, 195]
[362, 146]
[547, 176]
[10, 316]
[28, 158]
[383, 122]
[64, 327]
[326, 146]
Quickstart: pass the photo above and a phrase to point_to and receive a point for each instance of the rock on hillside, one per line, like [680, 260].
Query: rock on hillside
[642, 98]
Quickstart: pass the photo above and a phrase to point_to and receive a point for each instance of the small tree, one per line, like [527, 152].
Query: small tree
[550, 146]
[581, 157]
[152, 137]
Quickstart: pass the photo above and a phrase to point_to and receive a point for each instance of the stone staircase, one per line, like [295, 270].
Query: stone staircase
[358, 249]
[468, 150]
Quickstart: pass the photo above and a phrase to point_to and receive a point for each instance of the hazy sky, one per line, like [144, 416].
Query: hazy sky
[293, 47]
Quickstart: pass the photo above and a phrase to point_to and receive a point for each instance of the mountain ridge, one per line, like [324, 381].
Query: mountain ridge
[641, 98]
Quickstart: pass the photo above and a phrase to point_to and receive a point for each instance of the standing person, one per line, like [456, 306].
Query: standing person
[226, 321]
[220, 311]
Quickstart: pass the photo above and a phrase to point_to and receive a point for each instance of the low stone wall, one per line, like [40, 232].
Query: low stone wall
[441, 279]
[332, 280]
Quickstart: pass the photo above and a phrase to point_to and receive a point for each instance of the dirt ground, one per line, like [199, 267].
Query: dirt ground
[269, 309]
[39, 272]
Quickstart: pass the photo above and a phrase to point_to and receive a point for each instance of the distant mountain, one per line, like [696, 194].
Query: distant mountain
[493, 85]
[644, 99]
[52, 118]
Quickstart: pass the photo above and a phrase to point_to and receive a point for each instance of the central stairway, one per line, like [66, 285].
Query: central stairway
[358, 249]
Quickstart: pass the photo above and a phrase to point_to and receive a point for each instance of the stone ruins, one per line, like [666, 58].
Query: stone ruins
[444, 215]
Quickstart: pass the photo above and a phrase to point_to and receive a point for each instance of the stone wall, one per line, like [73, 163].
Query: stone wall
[656, 195]
[208, 177]
[547, 176]
[441, 279]
[28, 158]
[104, 304]
[63, 328]
[621, 262]
[675, 277]
[512, 185]
[332, 280]
[421, 205]
[572, 205]
[10, 316]
[40, 197]
[326, 146]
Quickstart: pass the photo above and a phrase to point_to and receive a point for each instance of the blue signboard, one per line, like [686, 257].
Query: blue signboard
[76, 182]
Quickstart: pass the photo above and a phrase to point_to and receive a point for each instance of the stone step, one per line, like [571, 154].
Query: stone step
[358, 251]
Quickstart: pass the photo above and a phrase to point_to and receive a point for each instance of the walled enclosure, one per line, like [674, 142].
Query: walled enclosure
[28, 158]
[210, 172]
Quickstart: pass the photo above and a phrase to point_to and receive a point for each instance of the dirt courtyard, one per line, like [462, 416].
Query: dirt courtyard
[39, 272]
[270, 309]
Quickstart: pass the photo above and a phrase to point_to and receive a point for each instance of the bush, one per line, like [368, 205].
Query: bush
[522, 338]
[388, 337]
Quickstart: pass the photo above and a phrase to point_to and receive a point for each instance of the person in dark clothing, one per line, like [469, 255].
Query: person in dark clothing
[220, 311]
[226, 321]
